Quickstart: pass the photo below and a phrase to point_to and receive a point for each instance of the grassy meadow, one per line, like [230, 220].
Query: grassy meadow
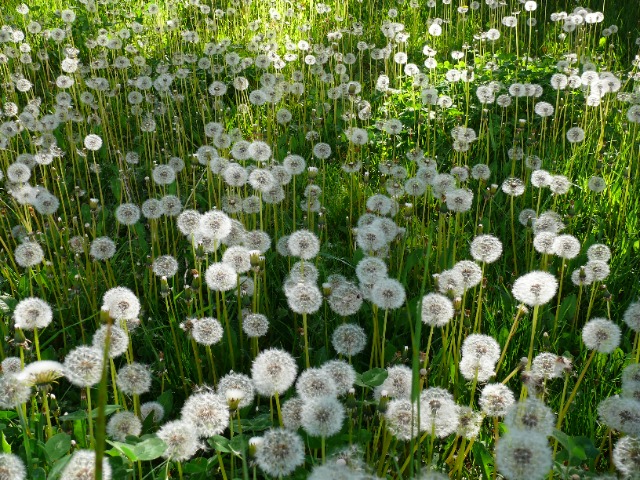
[356, 239]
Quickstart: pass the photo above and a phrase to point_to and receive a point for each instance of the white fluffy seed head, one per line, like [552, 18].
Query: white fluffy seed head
[208, 412]
[349, 339]
[280, 452]
[181, 440]
[601, 335]
[523, 455]
[134, 379]
[82, 466]
[322, 416]
[496, 399]
[83, 366]
[273, 371]
[535, 288]
[31, 313]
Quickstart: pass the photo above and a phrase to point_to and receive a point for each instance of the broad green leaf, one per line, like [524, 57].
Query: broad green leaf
[58, 467]
[220, 443]
[150, 449]
[239, 444]
[484, 457]
[123, 449]
[58, 446]
[6, 448]
[372, 378]
[82, 414]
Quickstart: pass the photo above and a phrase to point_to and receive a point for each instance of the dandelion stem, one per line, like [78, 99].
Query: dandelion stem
[306, 340]
[565, 409]
[534, 325]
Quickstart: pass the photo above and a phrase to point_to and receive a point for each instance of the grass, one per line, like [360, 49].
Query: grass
[295, 77]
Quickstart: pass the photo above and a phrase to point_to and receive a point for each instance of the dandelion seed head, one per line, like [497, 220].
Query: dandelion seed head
[127, 214]
[164, 174]
[513, 186]
[486, 248]
[165, 266]
[255, 325]
[12, 467]
[303, 272]
[496, 399]
[322, 416]
[31, 313]
[216, 223]
[535, 288]
[470, 271]
[83, 366]
[134, 379]
[121, 303]
[622, 414]
[14, 391]
[304, 244]
[257, 240]
[208, 413]
[601, 335]
[540, 178]
[11, 365]
[532, 415]
[82, 466]
[315, 383]
[436, 309]
[280, 452]
[123, 424]
[28, 254]
[102, 248]
[221, 277]
[523, 455]
[237, 382]
[397, 384]
[599, 251]
[626, 456]
[292, 413]
[152, 408]
[388, 293]
[631, 316]
[273, 371]
[469, 422]
[349, 339]
[181, 439]
[342, 373]
[598, 269]
[206, 330]
[345, 299]
[118, 340]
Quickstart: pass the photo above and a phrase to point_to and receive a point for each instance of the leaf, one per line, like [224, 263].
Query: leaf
[412, 260]
[239, 444]
[124, 449]
[197, 465]
[256, 424]
[150, 449]
[220, 443]
[166, 400]
[578, 449]
[7, 304]
[58, 467]
[481, 454]
[38, 474]
[371, 378]
[82, 415]
[6, 448]
[567, 307]
[58, 446]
